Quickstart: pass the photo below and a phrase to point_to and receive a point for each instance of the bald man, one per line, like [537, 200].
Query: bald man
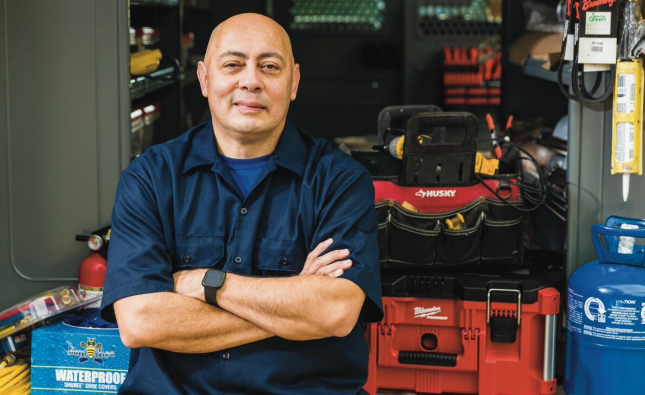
[244, 253]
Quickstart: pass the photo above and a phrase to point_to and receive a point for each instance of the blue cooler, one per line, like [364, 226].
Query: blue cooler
[606, 315]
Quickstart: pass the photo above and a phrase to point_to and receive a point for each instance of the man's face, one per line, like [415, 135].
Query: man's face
[249, 78]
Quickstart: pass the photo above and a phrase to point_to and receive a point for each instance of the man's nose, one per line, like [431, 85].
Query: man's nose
[250, 80]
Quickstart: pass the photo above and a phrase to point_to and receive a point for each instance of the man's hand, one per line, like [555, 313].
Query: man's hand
[330, 264]
[189, 283]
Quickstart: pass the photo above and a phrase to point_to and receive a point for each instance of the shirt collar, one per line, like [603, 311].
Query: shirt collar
[290, 153]
[202, 149]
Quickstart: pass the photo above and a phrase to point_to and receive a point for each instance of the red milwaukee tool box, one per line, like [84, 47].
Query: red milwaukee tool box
[465, 334]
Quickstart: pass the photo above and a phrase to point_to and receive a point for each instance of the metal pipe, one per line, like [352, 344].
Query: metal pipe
[549, 347]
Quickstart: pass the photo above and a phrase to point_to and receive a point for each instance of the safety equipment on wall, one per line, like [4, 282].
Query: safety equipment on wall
[91, 273]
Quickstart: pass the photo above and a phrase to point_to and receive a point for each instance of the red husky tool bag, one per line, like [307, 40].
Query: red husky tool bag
[437, 211]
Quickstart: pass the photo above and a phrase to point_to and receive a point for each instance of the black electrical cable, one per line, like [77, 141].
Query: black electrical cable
[542, 184]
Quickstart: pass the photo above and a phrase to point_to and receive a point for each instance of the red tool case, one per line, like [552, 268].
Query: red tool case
[435, 182]
[443, 343]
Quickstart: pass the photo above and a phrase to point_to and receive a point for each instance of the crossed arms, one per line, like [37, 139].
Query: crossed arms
[314, 305]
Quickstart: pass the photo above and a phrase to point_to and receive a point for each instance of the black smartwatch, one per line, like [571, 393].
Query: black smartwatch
[213, 280]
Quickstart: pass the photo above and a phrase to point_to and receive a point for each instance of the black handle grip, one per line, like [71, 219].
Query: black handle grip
[420, 123]
[398, 117]
[439, 163]
[427, 358]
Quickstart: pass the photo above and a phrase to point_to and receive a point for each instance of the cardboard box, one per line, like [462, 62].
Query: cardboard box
[67, 359]
[540, 46]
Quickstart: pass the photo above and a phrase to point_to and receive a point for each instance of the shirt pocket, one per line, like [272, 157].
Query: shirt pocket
[279, 258]
[197, 252]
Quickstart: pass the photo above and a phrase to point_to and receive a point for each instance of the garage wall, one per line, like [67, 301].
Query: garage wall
[63, 132]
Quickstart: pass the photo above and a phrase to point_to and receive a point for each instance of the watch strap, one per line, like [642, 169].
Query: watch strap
[210, 295]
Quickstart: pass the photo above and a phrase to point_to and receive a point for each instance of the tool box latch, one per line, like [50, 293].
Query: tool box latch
[503, 326]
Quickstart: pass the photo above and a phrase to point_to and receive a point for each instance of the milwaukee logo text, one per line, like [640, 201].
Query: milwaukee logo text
[429, 313]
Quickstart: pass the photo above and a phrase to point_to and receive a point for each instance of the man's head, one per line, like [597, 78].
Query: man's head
[249, 77]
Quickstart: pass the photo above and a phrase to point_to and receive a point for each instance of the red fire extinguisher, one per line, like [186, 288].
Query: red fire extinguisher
[91, 273]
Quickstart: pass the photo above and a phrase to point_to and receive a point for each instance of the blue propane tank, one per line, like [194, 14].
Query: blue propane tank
[606, 315]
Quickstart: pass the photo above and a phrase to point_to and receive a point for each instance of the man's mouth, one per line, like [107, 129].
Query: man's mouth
[249, 106]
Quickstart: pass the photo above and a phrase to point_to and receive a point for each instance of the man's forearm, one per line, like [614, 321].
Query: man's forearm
[295, 308]
[178, 323]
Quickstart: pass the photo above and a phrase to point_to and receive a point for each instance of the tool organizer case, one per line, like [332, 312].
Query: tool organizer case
[462, 334]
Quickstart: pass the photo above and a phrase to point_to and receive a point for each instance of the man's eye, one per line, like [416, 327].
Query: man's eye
[270, 67]
[231, 65]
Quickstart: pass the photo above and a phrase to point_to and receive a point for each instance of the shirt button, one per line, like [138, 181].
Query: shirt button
[238, 260]
[186, 259]
[226, 355]
[284, 261]
[243, 211]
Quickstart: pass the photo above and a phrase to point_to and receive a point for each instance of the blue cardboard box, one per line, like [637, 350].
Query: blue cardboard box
[68, 359]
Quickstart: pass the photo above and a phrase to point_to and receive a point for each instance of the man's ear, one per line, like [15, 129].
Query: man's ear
[203, 78]
[295, 80]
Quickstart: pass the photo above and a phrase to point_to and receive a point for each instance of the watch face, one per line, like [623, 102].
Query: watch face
[214, 278]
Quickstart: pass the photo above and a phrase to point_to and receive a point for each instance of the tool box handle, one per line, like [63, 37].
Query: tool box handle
[427, 358]
[611, 254]
[425, 120]
[428, 162]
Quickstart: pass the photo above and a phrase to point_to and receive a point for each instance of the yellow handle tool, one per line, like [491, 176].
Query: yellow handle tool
[627, 124]
[144, 62]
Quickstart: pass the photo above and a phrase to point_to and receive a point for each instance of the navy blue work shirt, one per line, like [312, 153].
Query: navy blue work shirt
[177, 207]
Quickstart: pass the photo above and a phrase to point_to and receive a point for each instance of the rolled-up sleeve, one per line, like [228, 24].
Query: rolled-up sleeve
[138, 259]
[346, 214]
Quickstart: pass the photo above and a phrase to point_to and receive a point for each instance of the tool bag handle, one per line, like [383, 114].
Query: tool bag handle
[439, 162]
[398, 115]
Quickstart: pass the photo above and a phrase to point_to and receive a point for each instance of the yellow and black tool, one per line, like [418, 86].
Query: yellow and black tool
[145, 62]
[486, 166]
[627, 123]
[456, 223]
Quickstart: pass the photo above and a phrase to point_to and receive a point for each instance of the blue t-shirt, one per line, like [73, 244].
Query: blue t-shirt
[178, 207]
[245, 171]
